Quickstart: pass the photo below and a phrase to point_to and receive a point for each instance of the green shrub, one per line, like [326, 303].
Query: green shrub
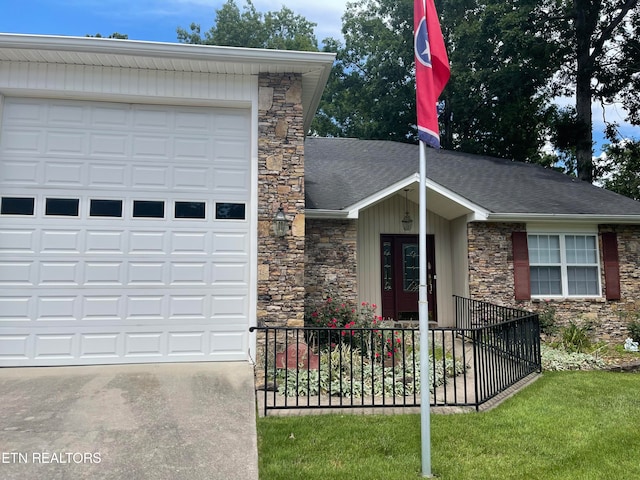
[576, 338]
[634, 328]
[554, 359]
[547, 318]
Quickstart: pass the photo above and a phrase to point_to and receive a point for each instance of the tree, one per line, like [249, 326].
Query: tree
[283, 29]
[600, 39]
[119, 36]
[371, 92]
[495, 102]
[621, 168]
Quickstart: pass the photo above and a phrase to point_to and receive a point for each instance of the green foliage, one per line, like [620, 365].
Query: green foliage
[497, 102]
[621, 168]
[119, 36]
[346, 370]
[576, 338]
[547, 318]
[281, 29]
[554, 359]
[634, 328]
[371, 91]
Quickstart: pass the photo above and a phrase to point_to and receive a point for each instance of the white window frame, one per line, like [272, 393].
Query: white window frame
[564, 276]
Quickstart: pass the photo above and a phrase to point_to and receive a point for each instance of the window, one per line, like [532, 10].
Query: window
[190, 210]
[148, 208]
[564, 265]
[230, 211]
[17, 206]
[105, 208]
[67, 207]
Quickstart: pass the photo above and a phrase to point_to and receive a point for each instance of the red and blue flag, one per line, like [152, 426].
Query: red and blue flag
[432, 69]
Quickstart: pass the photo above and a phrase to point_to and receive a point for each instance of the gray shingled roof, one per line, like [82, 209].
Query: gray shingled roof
[340, 172]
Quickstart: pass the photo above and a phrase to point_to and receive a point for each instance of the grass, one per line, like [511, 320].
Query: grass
[567, 425]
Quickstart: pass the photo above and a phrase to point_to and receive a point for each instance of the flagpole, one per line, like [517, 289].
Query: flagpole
[423, 316]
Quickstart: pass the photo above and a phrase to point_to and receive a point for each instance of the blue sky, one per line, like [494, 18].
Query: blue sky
[153, 20]
[157, 20]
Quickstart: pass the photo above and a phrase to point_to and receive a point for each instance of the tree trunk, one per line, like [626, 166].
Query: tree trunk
[584, 133]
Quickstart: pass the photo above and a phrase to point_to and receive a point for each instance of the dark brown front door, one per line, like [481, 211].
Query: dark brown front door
[401, 277]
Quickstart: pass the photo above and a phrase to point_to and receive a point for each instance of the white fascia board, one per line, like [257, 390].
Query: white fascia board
[323, 213]
[564, 218]
[306, 61]
[478, 213]
[354, 210]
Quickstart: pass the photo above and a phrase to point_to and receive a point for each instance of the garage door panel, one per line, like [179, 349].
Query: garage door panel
[64, 143]
[190, 273]
[111, 175]
[22, 142]
[59, 273]
[148, 242]
[98, 346]
[20, 173]
[192, 178]
[17, 273]
[105, 116]
[105, 241]
[58, 308]
[230, 274]
[17, 241]
[16, 308]
[65, 174]
[103, 307]
[101, 345]
[94, 288]
[104, 273]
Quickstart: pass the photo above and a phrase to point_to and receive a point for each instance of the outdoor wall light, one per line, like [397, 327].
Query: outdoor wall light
[280, 223]
[407, 221]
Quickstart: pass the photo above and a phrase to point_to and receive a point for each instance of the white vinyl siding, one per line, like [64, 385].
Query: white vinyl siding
[385, 218]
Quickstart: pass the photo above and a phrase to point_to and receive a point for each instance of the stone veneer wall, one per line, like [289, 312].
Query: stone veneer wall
[330, 260]
[491, 279]
[280, 182]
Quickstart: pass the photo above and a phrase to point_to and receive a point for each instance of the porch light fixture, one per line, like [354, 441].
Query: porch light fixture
[280, 223]
[407, 221]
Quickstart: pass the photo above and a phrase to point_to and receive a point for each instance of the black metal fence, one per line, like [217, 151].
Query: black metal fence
[489, 350]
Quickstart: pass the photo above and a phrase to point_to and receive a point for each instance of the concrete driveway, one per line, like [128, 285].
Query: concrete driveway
[164, 421]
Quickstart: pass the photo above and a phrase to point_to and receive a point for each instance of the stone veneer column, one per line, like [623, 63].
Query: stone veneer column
[280, 182]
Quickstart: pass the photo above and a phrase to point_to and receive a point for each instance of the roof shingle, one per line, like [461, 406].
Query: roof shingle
[340, 172]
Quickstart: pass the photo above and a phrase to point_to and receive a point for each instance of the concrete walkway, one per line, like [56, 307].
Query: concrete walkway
[164, 421]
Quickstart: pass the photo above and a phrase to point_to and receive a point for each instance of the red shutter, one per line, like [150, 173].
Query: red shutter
[521, 276]
[611, 265]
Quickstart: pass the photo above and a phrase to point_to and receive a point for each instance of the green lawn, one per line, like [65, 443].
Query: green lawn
[566, 425]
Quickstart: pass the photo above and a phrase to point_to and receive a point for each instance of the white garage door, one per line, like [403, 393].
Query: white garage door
[124, 233]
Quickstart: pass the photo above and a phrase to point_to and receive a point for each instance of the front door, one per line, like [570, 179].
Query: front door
[401, 277]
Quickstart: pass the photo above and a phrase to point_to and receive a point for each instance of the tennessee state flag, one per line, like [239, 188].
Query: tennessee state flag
[432, 69]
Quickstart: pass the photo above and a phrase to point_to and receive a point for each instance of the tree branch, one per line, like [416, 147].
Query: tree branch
[607, 33]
